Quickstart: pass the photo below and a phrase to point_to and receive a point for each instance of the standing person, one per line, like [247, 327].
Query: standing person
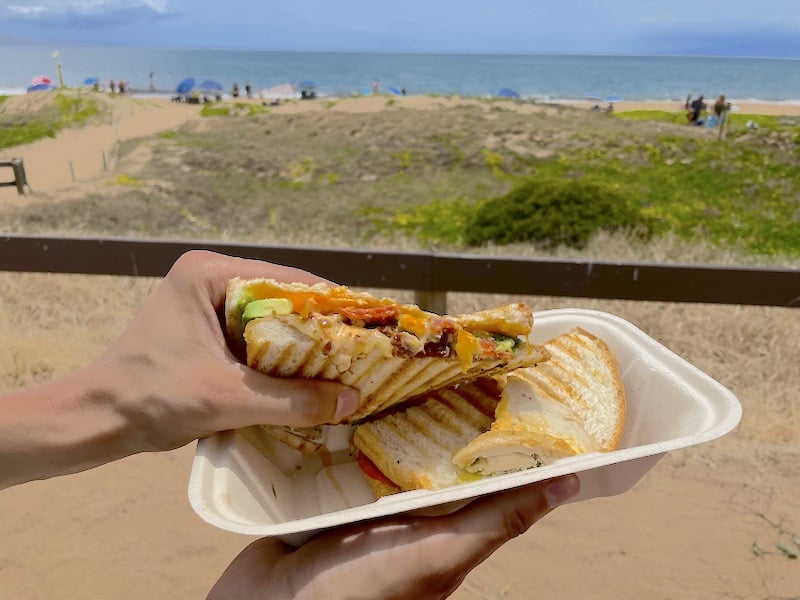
[696, 112]
[235, 90]
[112, 86]
[376, 87]
[248, 90]
[170, 378]
[721, 107]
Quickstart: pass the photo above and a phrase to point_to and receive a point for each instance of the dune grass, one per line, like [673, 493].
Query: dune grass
[67, 109]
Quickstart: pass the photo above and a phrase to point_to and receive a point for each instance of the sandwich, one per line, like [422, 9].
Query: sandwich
[412, 447]
[389, 351]
[573, 403]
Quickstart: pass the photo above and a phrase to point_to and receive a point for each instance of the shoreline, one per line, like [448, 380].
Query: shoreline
[755, 106]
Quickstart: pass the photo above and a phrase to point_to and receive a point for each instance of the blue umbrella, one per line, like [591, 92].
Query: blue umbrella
[507, 93]
[210, 86]
[395, 91]
[185, 86]
[40, 87]
[613, 99]
[91, 81]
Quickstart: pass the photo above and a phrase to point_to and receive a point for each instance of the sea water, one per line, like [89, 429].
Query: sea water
[536, 76]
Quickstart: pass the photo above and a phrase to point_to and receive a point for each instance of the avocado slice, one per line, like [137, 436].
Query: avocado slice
[265, 308]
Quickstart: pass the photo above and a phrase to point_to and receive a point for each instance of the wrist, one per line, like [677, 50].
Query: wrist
[71, 424]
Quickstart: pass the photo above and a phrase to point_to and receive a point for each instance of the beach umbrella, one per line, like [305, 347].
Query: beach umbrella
[395, 91]
[612, 99]
[507, 93]
[209, 85]
[91, 80]
[41, 79]
[185, 86]
[40, 87]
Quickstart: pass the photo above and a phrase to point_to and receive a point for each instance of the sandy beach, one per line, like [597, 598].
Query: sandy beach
[706, 522]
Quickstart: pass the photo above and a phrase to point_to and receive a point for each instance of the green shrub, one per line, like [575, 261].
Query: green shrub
[551, 212]
[212, 110]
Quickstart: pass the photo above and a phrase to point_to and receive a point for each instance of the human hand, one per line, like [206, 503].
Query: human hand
[183, 381]
[396, 558]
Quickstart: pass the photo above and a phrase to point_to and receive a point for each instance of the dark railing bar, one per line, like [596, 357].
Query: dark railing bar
[424, 272]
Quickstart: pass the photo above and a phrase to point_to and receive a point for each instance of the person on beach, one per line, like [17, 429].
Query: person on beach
[248, 90]
[376, 87]
[721, 108]
[235, 90]
[696, 111]
[170, 379]
[112, 86]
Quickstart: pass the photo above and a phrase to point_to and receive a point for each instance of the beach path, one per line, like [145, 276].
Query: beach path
[83, 154]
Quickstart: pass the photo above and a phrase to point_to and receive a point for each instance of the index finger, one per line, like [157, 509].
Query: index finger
[212, 271]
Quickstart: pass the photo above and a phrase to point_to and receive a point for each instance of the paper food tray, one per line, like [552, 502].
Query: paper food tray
[247, 482]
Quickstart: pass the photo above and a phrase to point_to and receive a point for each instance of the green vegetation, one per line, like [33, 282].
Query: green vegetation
[212, 109]
[215, 110]
[128, 180]
[652, 115]
[550, 213]
[68, 110]
[724, 192]
[462, 178]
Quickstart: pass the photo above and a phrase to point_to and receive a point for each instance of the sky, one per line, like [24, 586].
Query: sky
[765, 28]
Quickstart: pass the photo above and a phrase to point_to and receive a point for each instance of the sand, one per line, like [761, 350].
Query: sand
[704, 523]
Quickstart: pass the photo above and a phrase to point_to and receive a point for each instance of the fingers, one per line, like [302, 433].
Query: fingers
[422, 557]
[246, 396]
[212, 271]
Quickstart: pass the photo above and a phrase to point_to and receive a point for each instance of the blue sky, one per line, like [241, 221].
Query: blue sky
[730, 27]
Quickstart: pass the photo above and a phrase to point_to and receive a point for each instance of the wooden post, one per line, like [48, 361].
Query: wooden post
[19, 175]
[20, 180]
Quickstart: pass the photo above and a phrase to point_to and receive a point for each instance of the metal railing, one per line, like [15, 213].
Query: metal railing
[431, 275]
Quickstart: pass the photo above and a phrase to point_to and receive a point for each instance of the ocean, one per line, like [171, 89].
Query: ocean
[540, 77]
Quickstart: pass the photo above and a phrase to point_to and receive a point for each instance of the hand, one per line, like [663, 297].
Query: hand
[393, 558]
[169, 379]
[186, 382]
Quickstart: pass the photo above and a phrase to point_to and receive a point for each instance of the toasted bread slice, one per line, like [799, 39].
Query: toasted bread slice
[573, 404]
[414, 447]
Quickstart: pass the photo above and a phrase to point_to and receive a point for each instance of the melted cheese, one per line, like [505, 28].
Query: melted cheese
[467, 348]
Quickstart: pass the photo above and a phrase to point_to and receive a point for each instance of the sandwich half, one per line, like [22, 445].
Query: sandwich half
[413, 447]
[390, 352]
[574, 403]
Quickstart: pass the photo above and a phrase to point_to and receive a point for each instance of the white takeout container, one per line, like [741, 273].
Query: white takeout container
[246, 482]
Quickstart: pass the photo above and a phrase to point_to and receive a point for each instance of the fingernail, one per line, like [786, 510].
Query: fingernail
[562, 489]
[346, 404]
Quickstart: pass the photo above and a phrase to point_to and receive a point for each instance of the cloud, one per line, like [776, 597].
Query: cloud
[87, 13]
